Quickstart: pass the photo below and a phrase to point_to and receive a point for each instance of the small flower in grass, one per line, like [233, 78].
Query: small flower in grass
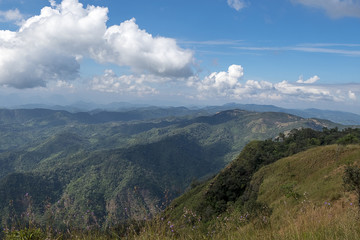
[26, 194]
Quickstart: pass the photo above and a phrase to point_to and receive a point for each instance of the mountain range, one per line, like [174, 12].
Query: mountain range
[121, 165]
[341, 117]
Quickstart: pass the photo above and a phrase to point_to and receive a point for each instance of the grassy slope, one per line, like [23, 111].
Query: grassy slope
[316, 177]
[304, 192]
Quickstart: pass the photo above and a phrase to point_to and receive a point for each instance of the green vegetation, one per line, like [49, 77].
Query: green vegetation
[87, 176]
[234, 186]
[291, 187]
[301, 196]
[297, 197]
[82, 163]
[352, 180]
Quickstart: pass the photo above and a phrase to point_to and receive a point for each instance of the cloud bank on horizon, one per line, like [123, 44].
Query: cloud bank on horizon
[230, 85]
[50, 48]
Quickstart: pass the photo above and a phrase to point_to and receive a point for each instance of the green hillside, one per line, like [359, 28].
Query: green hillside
[297, 197]
[310, 178]
[123, 170]
[290, 187]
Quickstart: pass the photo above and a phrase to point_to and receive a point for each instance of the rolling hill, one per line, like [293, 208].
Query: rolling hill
[272, 192]
[118, 170]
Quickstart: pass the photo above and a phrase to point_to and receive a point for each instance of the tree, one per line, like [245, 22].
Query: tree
[351, 180]
[348, 139]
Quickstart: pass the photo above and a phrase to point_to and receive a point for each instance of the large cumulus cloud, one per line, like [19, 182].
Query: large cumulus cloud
[50, 46]
[129, 45]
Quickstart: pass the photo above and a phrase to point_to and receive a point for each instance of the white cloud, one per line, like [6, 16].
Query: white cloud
[309, 81]
[227, 85]
[126, 84]
[335, 8]
[64, 84]
[236, 4]
[50, 46]
[10, 16]
[310, 48]
[129, 45]
[307, 93]
[221, 83]
[352, 95]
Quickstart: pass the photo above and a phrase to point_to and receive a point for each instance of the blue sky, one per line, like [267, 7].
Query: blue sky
[290, 53]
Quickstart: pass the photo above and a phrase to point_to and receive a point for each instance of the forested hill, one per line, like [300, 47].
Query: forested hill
[120, 169]
[236, 188]
[303, 185]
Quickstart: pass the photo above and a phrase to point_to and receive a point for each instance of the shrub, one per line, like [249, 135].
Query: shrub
[351, 180]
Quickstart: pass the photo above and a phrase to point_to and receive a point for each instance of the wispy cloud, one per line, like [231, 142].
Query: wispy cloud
[212, 42]
[327, 50]
[11, 16]
[125, 84]
[350, 45]
[236, 4]
[312, 48]
[334, 8]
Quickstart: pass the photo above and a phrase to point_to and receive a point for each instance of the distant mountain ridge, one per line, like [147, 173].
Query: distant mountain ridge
[345, 118]
[341, 117]
[94, 117]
